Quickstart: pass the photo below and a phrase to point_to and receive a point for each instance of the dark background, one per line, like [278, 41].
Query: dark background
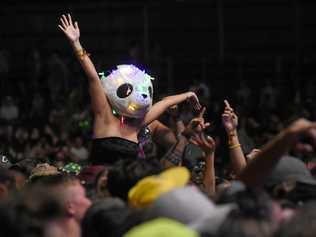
[216, 41]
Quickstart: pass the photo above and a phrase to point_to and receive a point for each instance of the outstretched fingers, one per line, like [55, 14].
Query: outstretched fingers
[62, 28]
[69, 19]
[63, 23]
[65, 20]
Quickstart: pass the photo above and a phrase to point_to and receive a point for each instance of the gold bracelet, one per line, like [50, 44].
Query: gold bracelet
[82, 53]
[234, 146]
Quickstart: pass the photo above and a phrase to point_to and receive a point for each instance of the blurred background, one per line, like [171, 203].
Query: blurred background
[217, 41]
[259, 54]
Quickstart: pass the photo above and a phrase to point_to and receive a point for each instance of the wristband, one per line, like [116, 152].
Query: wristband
[81, 53]
[234, 146]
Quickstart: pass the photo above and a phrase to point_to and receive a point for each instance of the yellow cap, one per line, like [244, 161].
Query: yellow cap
[161, 227]
[148, 189]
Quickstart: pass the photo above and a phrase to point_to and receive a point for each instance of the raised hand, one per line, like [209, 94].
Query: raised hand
[262, 165]
[229, 118]
[100, 106]
[206, 143]
[71, 30]
[194, 101]
[197, 124]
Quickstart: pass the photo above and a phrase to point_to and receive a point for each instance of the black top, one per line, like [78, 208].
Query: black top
[108, 150]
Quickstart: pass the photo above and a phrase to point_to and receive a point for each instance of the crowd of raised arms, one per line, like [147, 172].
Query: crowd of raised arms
[99, 155]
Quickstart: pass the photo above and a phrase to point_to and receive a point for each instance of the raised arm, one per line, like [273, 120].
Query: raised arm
[230, 123]
[263, 163]
[196, 125]
[161, 106]
[207, 144]
[99, 103]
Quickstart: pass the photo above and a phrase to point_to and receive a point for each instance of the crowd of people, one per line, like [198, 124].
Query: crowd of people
[84, 156]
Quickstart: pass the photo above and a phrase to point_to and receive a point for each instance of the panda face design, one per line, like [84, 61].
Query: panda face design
[129, 90]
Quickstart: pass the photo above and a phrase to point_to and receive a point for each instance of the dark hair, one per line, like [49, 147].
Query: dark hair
[135, 218]
[253, 217]
[303, 224]
[292, 194]
[26, 213]
[103, 186]
[302, 192]
[126, 173]
[25, 166]
[245, 227]
[8, 223]
[252, 203]
[104, 218]
[7, 178]
[20, 169]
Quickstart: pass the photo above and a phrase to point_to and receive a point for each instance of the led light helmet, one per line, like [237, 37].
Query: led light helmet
[129, 90]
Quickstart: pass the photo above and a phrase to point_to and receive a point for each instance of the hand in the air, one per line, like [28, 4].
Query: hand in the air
[198, 124]
[70, 29]
[206, 143]
[229, 118]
